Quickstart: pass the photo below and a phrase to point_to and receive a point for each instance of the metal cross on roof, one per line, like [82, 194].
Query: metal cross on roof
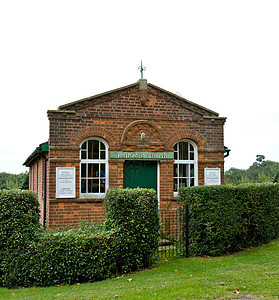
[141, 68]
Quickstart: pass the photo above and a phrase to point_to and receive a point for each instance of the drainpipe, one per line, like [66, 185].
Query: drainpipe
[39, 151]
[227, 151]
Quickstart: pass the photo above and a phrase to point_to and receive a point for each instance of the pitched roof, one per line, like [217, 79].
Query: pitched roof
[69, 106]
[36, 153]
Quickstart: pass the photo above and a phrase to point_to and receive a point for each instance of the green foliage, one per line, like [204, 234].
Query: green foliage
[24, 184]
[19, 218]
[263, 171]
[230, 218]
[33, 256]
[135, 213]
[64, 257]
[12, 181]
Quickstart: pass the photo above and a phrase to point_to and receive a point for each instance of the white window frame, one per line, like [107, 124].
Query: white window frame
[95, 161]
[187, 162]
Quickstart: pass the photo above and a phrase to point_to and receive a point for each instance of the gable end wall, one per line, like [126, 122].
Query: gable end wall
[119, 118]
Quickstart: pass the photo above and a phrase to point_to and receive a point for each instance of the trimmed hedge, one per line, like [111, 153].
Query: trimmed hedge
[135, 213]
[91, 252]
[64, 257]
[226, 219]
[19, 223]
[19, 218]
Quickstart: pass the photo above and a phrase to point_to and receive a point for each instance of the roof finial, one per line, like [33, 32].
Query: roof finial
[141, 68]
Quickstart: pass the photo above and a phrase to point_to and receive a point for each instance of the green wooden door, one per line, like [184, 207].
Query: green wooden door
[141, 174]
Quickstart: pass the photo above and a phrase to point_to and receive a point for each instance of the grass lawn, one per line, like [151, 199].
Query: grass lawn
[254, 274]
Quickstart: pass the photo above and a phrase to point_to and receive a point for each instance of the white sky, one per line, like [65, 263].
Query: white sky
[221, 54]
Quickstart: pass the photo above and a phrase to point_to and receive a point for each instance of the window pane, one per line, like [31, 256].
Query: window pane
[103, 154]
[183, 151]
[83, 170]
[182, 170]
[90, 149]
[95, 149]
[192, 170]
[83, 146]
[191, 147]
[90, 170]
[90, 185]
[175, 181]
[96, 170]
[187, 171]
[182, 182]
[192, 182]
[191, 156]
[102, 146]
[103, 170]
[93, 170]
[175, 170]
[103, 186]
[95, 185]
[83, 185]
[83, 154]
[175, 151]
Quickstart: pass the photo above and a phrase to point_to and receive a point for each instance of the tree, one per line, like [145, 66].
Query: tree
[12, 181]
[234, 176]
[260, 171]
[260, 158]
[24, 184]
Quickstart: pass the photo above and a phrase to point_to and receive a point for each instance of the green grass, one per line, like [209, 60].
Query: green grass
[255, 273]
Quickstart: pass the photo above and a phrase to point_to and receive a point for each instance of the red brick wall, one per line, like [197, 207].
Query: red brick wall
[119, 118]
[36, 182]
[63, 214]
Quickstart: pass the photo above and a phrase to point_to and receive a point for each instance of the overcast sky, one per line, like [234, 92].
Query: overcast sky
[221, 54]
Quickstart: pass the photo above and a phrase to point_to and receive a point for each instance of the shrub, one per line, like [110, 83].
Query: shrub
[135, 213]
[230, 218]
[88, 253]
[19, 223]
[63, 257]
[19, 218]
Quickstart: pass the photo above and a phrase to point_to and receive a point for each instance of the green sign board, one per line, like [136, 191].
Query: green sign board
[141, 155]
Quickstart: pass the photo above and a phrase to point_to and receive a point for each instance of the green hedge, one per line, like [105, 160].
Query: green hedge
[91, 252]
[19, 218]
[64, 257]
[135, 213]
[230, 218]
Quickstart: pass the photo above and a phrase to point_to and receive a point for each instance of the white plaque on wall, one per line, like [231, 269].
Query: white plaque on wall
[65, 182]
[212, 176]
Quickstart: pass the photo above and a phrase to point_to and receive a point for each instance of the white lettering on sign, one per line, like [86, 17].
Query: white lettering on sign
[141, 155]
[65, 182]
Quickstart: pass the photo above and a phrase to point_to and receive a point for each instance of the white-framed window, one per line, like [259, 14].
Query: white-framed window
[185, 168]
[93, 167]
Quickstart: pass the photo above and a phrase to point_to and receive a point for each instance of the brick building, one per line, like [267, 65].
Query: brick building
[137, 135]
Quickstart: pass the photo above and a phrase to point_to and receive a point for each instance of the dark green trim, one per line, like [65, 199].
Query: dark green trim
[36, 153]
[142, 155]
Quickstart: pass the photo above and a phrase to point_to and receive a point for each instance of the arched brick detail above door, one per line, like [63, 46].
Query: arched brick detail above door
[132, 135]
[186, 134]
[93, 131]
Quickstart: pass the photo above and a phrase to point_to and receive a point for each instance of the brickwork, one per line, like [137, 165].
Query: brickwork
[36, 182]
[119, 117]
[63, 214]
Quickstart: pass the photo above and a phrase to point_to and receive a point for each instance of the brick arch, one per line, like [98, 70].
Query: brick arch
[93, 131]
[137, 126]
[186, 134]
